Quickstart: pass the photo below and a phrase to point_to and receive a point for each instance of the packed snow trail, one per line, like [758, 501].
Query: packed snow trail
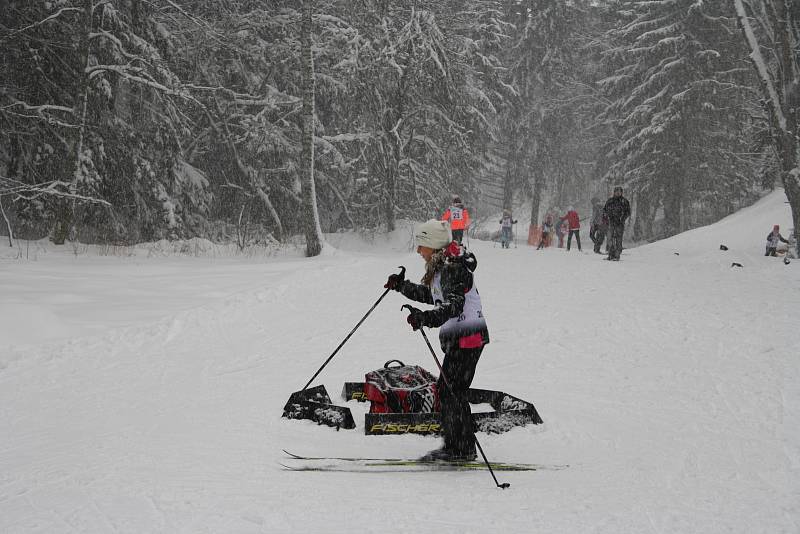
[669, 383]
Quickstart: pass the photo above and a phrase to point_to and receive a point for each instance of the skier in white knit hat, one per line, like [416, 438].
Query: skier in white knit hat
[449, 285]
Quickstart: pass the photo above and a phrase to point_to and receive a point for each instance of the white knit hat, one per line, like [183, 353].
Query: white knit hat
[433, 234]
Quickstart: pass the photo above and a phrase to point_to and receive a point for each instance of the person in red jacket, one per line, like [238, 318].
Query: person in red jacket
[574, 223]
[458, 216]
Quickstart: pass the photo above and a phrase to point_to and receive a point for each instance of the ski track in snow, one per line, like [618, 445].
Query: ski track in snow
[669, 383]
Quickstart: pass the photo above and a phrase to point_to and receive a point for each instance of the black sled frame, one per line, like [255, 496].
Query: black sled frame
[315, 404]
[509, 411]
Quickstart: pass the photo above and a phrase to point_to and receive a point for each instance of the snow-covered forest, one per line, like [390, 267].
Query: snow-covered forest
[200, 198]
[253, 121]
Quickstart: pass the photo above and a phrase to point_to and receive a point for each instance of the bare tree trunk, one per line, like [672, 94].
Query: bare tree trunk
[271, 209]
[66, 217]
[390, 191]
[674, 192]
[508, 179]
[313, 230]
[643, 221]
[789, 137]
[780, 89]
[8, 224]
[536, 196]
[393, 131]
[82, 105]
[673, 199]
[536, 169]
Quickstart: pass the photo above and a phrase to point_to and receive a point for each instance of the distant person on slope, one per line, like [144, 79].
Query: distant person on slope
[616, 210]
[448, 284]
[598, 226]
[573, 226]
[506, 228]
[561, 229]
[458, 216]
[773, 238]
[547, 231]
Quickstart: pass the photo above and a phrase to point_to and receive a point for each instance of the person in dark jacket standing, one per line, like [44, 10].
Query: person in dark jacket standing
[448, 284]
[616, 210]
[598, 226]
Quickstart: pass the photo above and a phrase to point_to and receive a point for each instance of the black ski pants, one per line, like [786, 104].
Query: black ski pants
[577, 234]
[544, 241]
[457, 428]
[597, 234]
[505, 236]
[615, 240]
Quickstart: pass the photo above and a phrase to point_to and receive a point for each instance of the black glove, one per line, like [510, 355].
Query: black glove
[395, 281]
[416, 318]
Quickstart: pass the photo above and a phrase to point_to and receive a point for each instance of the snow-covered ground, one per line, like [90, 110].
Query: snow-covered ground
[144, 394]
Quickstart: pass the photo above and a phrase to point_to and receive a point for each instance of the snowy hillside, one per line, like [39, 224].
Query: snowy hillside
[143, 394]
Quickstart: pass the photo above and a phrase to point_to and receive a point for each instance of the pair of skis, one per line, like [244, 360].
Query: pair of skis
[296, 462]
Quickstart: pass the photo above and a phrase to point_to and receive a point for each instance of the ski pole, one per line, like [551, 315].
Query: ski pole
[504, 485]
[402, 274]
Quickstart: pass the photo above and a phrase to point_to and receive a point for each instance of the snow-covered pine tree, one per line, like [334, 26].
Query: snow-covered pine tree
[234, 58]
[545, 128]
[481, 33]
[38, 123]
[249, 75]
[423, 105]
[101, 119]
[679, 99]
